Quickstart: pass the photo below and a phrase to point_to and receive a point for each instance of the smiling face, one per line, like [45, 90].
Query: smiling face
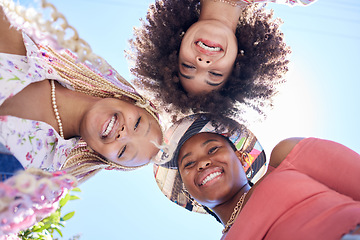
[206, 58]
[121, 132]
[210, 169]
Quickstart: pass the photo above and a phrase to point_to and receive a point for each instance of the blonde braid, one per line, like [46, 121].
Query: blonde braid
[82, 161]
[85, 80]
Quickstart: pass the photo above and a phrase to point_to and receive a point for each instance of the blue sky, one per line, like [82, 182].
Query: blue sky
[320, 99]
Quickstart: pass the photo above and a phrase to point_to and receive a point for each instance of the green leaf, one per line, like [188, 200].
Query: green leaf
[76, 189]
[68, 216]
[42, 228]
[54, 218]
[14, 78]
[31, 138]
[73, 197]
[59, 232]
[64, 200]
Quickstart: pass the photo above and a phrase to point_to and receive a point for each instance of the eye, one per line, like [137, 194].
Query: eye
[187, 66]
[216, 74]
[137, 123]
[189, 164]
[213, 150]
[122, 152]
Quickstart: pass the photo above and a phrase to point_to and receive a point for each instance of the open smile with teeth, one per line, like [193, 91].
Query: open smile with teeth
[109, 127]
[210, 177]
[208, 48]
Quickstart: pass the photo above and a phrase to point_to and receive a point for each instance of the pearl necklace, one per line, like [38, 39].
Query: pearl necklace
[57, 115]
[234, 214]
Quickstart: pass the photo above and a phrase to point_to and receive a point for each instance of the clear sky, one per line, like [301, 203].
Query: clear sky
[320, 99]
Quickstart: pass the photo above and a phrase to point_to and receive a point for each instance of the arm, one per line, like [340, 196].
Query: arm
[329, 163]
[11, 40]
[281, 150]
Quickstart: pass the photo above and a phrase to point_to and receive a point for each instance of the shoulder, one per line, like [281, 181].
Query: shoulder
[281, 150]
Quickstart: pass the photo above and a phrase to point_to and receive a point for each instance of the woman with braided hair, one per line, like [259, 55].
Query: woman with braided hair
[57, 112]
[209, 55]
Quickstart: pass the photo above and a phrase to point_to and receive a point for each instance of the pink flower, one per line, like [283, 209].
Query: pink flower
[29, 157]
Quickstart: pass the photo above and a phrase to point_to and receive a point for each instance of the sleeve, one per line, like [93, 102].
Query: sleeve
[287, 2]
[330, 163]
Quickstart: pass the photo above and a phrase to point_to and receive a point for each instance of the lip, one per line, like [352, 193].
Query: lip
[207, 172]
[115, 128]
[210, 44]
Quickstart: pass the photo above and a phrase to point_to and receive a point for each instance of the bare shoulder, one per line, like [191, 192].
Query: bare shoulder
[11, 40]
[281, 150]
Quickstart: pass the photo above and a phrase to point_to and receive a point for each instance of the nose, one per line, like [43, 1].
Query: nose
[122, 132]
[203, 163]
[203, 60]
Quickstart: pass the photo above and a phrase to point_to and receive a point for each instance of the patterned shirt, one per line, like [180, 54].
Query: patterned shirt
[34, 143]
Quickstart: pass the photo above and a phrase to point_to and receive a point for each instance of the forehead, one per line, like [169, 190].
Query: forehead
[200, 138]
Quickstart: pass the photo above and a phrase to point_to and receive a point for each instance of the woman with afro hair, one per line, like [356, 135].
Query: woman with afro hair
[209, 55]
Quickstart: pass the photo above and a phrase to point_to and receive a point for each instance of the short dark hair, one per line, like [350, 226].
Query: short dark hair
[259, 65]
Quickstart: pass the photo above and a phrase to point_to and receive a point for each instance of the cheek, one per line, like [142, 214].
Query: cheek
[187, 179]
[89, 126]
[107, 151]
[232, 50]
[187, 85]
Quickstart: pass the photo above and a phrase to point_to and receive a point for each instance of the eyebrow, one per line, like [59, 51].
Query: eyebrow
[133, 157]
[213, 84]
[148, 129]
[185, 76]
[202, 145]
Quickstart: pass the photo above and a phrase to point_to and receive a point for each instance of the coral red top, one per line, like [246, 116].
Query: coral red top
[313, 194]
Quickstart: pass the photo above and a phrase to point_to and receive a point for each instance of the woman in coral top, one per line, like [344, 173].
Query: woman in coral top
[310, 191]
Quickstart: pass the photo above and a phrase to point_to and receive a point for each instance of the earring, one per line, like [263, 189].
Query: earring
[245, 161]
[243, 157]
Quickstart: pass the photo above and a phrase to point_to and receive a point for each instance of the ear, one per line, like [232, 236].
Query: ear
[242, 157]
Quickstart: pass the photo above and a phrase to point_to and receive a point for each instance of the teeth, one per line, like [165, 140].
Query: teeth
[109, 127]
[210, 177]
[204, 46]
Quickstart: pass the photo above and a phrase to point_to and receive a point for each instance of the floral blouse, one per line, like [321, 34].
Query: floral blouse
[34, 143]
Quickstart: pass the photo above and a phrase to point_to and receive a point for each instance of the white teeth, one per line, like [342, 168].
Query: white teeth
[204, 46]
[210, 177]
[109, 127]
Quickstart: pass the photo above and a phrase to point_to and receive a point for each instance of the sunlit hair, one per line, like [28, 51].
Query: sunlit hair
[259, 66]
[82, 161]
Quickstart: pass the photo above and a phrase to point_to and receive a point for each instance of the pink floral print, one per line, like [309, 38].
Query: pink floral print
[34, 143]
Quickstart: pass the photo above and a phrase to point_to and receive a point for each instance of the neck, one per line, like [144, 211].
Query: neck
[72, 107]
[221, 11]
[224, 210]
